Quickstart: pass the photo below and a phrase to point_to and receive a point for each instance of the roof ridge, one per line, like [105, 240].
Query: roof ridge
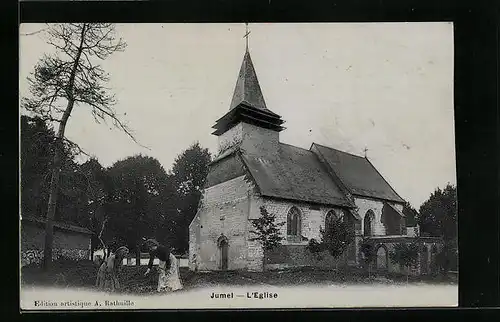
[57, 223]
[225, 154]
[294, 146]
[346, 190]
[349, 153]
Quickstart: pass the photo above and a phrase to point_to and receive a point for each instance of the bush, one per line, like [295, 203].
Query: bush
[405, 255]
[315, 248]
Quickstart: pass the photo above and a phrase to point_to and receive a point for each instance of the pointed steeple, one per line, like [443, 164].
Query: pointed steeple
[248, 105]
[247, 89]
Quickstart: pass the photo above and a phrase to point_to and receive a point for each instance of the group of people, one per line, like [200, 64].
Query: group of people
[168, 268]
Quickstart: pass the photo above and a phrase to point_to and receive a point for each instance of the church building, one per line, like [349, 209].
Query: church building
[304, 188]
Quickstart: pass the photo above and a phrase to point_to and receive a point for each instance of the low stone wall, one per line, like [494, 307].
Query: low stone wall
[286, 256]
[35, 256]
[429, 247]
[67, 243]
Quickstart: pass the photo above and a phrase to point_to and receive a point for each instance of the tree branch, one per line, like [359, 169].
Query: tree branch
[100, 237]
[33, 33]
[115, 119]
[74, 146]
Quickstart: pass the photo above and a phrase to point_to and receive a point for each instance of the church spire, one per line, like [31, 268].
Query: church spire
[247, 89]
[248, 105]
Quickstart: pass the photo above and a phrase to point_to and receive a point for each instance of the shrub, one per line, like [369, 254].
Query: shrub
[405, 254]
[315, 248]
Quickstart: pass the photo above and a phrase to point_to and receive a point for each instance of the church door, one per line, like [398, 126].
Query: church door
[223, 249]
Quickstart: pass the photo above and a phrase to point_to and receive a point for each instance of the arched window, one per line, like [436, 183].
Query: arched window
[293, 223]
[368, 223]
[330, 220]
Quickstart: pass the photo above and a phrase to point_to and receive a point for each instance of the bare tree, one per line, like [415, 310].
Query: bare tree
[72, 76]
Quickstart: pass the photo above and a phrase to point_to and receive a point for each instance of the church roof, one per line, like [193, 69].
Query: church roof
[358, 174]
[247, 89]
[248, 114]
[299, 174]
[294, 174]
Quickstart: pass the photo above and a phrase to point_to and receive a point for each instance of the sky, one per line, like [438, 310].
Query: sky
[386, 87]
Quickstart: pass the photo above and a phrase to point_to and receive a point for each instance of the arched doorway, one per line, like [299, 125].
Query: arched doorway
[223, 246]
[368, 223]
[381, 258]
[424, 260]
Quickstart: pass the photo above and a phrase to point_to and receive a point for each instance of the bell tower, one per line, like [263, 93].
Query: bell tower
[248, 124]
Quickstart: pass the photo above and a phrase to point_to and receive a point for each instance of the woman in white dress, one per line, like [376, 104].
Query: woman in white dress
[168, 267]
[173, 278]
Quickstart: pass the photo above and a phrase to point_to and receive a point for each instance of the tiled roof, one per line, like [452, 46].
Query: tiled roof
[60, 225]
[296, 174]
[247, 89]
[358, 174]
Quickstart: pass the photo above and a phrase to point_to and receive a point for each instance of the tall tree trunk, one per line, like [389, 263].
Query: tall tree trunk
[56, 166]
[54, 189]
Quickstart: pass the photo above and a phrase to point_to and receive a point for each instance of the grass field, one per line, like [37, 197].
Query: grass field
[67, 273]
[297, 288]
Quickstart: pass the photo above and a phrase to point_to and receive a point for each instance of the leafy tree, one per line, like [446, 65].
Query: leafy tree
[137, 201]
[438, 217]
[37, 152]
[267, 230]
[97, 190]
[188, 174]
[337, 236]
[438, 214]
[70, 77]
[36, 155]
[405, 254]
[367, 252]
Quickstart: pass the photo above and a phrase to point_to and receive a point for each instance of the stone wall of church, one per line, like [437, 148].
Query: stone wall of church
[366, 204]
[223, 211]
[259, 140]
[294, 254]
[251, 138]
[313, 217]
[230, 138]
[194, 235]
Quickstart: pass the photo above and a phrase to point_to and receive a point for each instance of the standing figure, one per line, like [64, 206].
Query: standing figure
[107, 276]
[168, 271]
[173, 278]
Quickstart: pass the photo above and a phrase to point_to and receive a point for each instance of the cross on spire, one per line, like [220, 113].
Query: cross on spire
[247, 32]
[365, 150]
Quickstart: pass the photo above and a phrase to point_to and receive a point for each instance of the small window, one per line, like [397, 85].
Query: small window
[293, 224]
[368, 223]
